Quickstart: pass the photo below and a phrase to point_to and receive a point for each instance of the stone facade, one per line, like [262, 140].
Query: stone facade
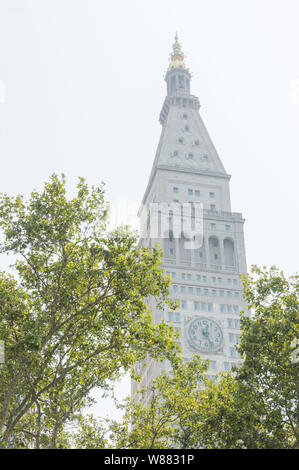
[205, 280]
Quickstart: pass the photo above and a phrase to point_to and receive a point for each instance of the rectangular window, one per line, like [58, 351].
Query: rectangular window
[170, 316]
[227, 228]
[175, 288]
[214, 279]
[177, 318]
[189, 277]
[183, 276]
[219, 280]
[213, 226]
[190, 192]
[212, 195]
[212, 207]
[221, 293]
[236, 309]
[204, 278]
[206, 292]
[190, 290]
[210, 307]
[235, 282]
[213, 365]
[196, 306]
[237, 295]
[222, 308]
[214, 292]
[182, 289]
[198, 277]
[229, 308]
[203, 306]
[175, 190]
[230, 323]
[228, 294]
[197, 193]
[229, 281]
[237, 324]
[198, 291]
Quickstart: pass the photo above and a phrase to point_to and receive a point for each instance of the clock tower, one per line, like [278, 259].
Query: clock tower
[186, 209]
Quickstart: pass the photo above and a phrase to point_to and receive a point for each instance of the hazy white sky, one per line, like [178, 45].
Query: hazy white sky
[81, 88]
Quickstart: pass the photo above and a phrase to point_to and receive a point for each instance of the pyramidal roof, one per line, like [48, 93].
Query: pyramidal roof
[185, 144]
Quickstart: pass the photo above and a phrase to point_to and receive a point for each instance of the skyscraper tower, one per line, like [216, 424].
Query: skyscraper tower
[187, 172]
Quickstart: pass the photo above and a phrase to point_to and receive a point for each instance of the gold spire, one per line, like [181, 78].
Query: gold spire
[177, 56]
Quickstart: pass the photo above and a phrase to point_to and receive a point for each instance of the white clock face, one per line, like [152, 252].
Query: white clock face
[205, 335]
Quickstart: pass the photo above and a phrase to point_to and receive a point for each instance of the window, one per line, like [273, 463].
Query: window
[231, 338]
[187, 129]
[205, 158]
[190, 156]
[237, 324]
[215, 256]
[222, 308]
[190, 192]
[196, 143]
[200, 254]
[214, 279]
[212, 195]
[176, 201]
[198, 291]
[204, 278]
[174, 154]
[219, 280]
[173, 275]
[185, 116]
[175, 190]
[183, 304]
[182, 289]
[198, 277]
[213, 365]
[235, 282]
[175, 288]
[177, 318]
[203, 306]
[213, 226]
[210, 307]
[214, 292]
[228, 294]
[227, 228]
[171, 251]
[221, 293]
[180, 140]
[170, 316]
[206, 291]
[236, 309]
[237, 295]
[229, 281]
[196, 306]
[229, 308]
[230, 323]
[197, 193]
[189, 277]
[183, 276]
[190, 290]
[212, 207]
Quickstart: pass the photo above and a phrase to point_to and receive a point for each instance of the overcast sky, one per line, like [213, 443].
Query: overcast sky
[81, 88]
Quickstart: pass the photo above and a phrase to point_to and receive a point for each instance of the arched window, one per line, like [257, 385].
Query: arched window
[214, 249]
[229, 252]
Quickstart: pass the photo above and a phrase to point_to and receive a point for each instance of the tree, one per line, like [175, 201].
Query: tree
[253, 406]
[74, 316]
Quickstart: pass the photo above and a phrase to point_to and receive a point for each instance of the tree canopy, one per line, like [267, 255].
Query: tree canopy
[74, 314]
